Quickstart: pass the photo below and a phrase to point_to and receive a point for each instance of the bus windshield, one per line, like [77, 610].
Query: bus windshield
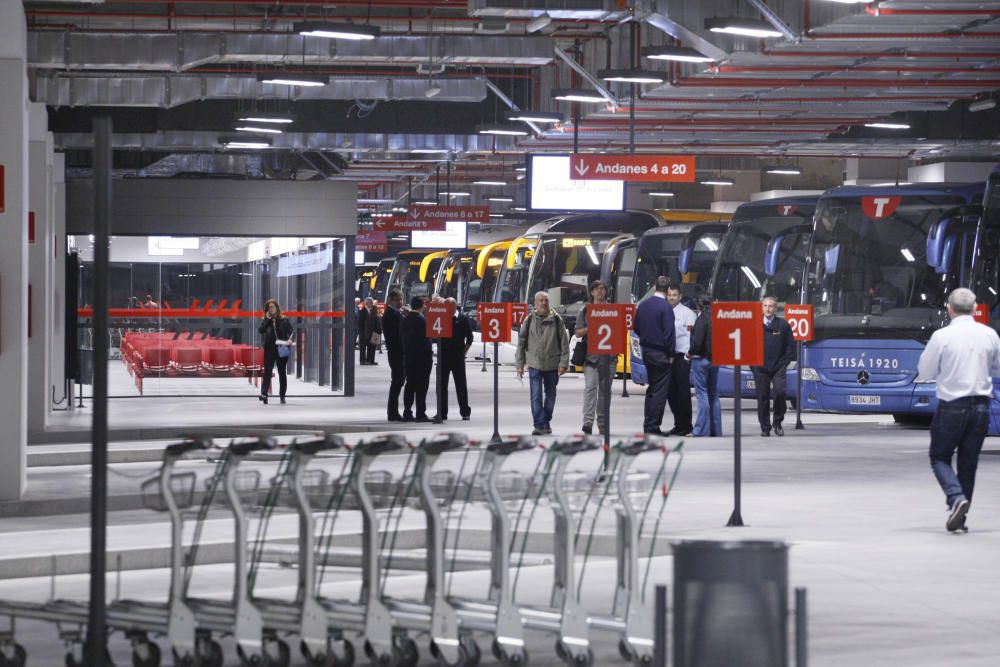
[382, 275]
[986, 274]
[763, 255]
[659, 255]
[482, 289]
[406, 277]
[511, 283]
[564, 267]
[871, 265]
[461, 268]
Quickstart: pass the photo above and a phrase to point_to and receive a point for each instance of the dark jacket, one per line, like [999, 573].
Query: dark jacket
[701, 335]
[461, 337]
[417, 352]
[272, 330]
[779, 345]
[654, 324]
[369, 324]
[392, 323]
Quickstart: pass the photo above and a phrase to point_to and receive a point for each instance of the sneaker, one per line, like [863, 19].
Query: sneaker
[956, 519]
[538, 431]
[548, 430]
[588, 428]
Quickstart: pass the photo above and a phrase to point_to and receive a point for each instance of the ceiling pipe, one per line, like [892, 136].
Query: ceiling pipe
[893, 53]
[772, 17]
[679, 32]
[726, 69]
[903, 36]
[726, 82]
[586, 76]
[875, 10]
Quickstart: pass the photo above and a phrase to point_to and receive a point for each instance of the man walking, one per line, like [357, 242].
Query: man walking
[542, 346]
[654, 324]
[704, 375]
[419, 362]
[453, 351]
[392, 330]
[779, 350]
[962, 359]
[679, 391]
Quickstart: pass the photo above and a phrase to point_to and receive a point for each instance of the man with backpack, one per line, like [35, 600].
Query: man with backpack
[542, 346]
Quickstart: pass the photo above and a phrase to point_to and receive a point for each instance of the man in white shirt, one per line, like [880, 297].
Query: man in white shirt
[679, 393]
[961, 358]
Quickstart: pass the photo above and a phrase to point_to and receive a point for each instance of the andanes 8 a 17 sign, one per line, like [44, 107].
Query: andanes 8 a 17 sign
[737, 334]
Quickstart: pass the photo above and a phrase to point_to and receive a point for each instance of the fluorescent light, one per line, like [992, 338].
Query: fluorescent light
[660, 194]
[459, 194]
[420, 151]
[289, 79]
[592, 254]
[507, 199]
[489, 182]
[631, 76]
[536, 24]
[717, 181]
[681, 54]
[502, 130]
[260, 130]
[907, 254]
[788, 171]
[743, 27]
[376, 201]
[748, 272]
[852, 2]
[349, 31]
[432, 91]
[245, 142]
[496, 215]
[518, 208]
[710, 243]
[425, 202]
[520, 167]
[889, 126]
[536, 116]
[983, 105]
[578, 95]
[258, 117]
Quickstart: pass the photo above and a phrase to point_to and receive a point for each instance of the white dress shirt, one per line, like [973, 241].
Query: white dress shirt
[684, 319]
[962, 358]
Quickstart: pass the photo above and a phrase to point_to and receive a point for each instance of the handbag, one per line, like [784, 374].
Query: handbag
[579, 352]
[285, 351]
[376, 339]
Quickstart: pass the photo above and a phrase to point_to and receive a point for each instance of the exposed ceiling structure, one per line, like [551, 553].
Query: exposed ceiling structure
[808, 91]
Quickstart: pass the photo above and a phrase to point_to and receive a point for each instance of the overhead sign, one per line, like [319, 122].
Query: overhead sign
[551, 189]
[494, 322]
[737, 334]
[606, 328]
[800, 319]
[454, 235]
[439, 317]
[371, 241]
[443, 214]
[300, 265]
[982, 314]
[518, 311]
[633, 168]
[879, 207]
[402, 223]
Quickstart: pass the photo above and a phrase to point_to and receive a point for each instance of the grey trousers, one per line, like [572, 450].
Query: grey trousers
[596, 387]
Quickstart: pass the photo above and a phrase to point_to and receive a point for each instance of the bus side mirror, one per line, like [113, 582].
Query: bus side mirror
[936, 239]
[684, 261]
[947, 249]
[771, 255]
[830, 258]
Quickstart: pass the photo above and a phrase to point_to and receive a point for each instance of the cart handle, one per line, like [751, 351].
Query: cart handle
[577, 444]
[255, 445]
[382, 444]
[445, 442]
[179, 449]
[319, 443]
[512, 444]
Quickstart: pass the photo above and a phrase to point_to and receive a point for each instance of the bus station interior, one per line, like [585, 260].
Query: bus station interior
[199, 157]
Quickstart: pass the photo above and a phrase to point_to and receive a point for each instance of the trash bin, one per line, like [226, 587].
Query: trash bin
[86, 365]
[730, 604]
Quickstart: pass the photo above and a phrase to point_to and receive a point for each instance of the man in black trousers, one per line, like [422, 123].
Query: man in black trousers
[418, 360]
[392, 330]
[453, 351]
[779, 350]
[654, 324]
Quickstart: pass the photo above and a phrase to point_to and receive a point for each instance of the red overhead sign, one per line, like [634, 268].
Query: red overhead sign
[633, 168]
[800, 319]
[606, 328]
[880, 206]
[443, 214]
[402, 223]
[439, 316]
[494, 322]
[737, 334]
[370, 241]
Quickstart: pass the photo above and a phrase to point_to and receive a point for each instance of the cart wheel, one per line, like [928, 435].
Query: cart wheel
[585, 660]
[515, 658]
[383, 659]
[625, 651]
[145, 654]
[283, 657]
[461, 661]
[345, 660]
[408, 655]
[211, 654]
[262, 660]
[472, 650]
[18, 656]
[643, 660]
[183, 661]
[71, 660]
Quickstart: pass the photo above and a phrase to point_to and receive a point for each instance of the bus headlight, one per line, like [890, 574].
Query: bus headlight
[810, 375]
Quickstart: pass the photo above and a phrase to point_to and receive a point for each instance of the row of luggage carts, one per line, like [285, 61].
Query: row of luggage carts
[454, 622]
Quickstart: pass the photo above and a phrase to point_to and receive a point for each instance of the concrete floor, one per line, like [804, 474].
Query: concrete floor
[853, 496]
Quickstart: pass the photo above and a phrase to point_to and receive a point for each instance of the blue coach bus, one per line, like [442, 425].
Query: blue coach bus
[763, 254]
[881, 263]
[985, 280]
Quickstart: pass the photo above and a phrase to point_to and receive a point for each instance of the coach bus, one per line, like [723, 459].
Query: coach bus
[413, 272]
[470, 276]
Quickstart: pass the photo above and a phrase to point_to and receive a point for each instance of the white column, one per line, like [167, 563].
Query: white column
[13, 252]
[57, 363]
[39, 267]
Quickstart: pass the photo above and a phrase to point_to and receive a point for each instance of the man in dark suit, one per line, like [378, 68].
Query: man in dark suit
[779, 350]
[654, 324]
[418, 360]
[392, 330]
[453, 351]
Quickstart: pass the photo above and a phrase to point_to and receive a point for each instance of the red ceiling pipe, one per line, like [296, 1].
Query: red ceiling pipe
[725, 82]
[958, 55]
[718, 130]
[786, 100]
[680, 122]
[865, 36]
[319, 4]
[860, 68]
[874, 10]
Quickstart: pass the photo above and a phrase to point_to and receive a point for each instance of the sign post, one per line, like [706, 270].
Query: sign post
[800, 319]
[629, 321]
[494, 320]
[439, 321]
[737, 340]
[606, 336]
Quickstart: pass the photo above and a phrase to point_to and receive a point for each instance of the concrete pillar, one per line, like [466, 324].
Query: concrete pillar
[57, 363]
[39, 268]
[13, 251]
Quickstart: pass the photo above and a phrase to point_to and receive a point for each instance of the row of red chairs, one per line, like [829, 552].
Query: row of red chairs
[164, 355]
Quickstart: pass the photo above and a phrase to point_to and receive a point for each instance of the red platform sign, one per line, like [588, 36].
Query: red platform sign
[439, 318]
[629, 316]
[606, 328]
[518, 311]
[494, 322]
[982, 314]
[380, 307]
[737, 334]
[633, 168]
[800, 319]
[371, 241]
[880, 206]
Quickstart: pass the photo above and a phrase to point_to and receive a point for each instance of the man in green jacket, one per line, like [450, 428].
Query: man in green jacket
[542, 346]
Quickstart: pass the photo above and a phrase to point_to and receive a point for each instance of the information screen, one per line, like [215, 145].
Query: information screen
[455, 235]
[550, 188]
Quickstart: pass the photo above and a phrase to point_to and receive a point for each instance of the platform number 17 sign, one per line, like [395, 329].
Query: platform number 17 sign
[737, 333]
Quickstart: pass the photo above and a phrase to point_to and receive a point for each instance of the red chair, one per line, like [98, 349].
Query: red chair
[155, 360]
[220, 359]
[187, 359]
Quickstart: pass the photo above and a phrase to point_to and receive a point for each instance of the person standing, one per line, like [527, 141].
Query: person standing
[596, 368]
[769, 379]
[453, 351]
[542, 346]
[679, 391]
[371, 328]
[704, 375]
[419, 362]
[392, 323]
[654, 325]
[277, 332]
[962, 358]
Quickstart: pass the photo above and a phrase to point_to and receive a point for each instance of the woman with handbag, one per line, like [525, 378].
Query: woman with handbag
[371, 333]
[596, 367]
[277, 332]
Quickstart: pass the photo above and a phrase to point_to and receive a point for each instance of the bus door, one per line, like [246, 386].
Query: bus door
[699, 250]
[619, 269]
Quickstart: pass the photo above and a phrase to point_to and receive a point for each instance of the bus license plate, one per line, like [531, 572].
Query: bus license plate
[864, 400]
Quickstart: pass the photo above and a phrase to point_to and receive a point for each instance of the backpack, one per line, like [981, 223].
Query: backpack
[528, 330]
